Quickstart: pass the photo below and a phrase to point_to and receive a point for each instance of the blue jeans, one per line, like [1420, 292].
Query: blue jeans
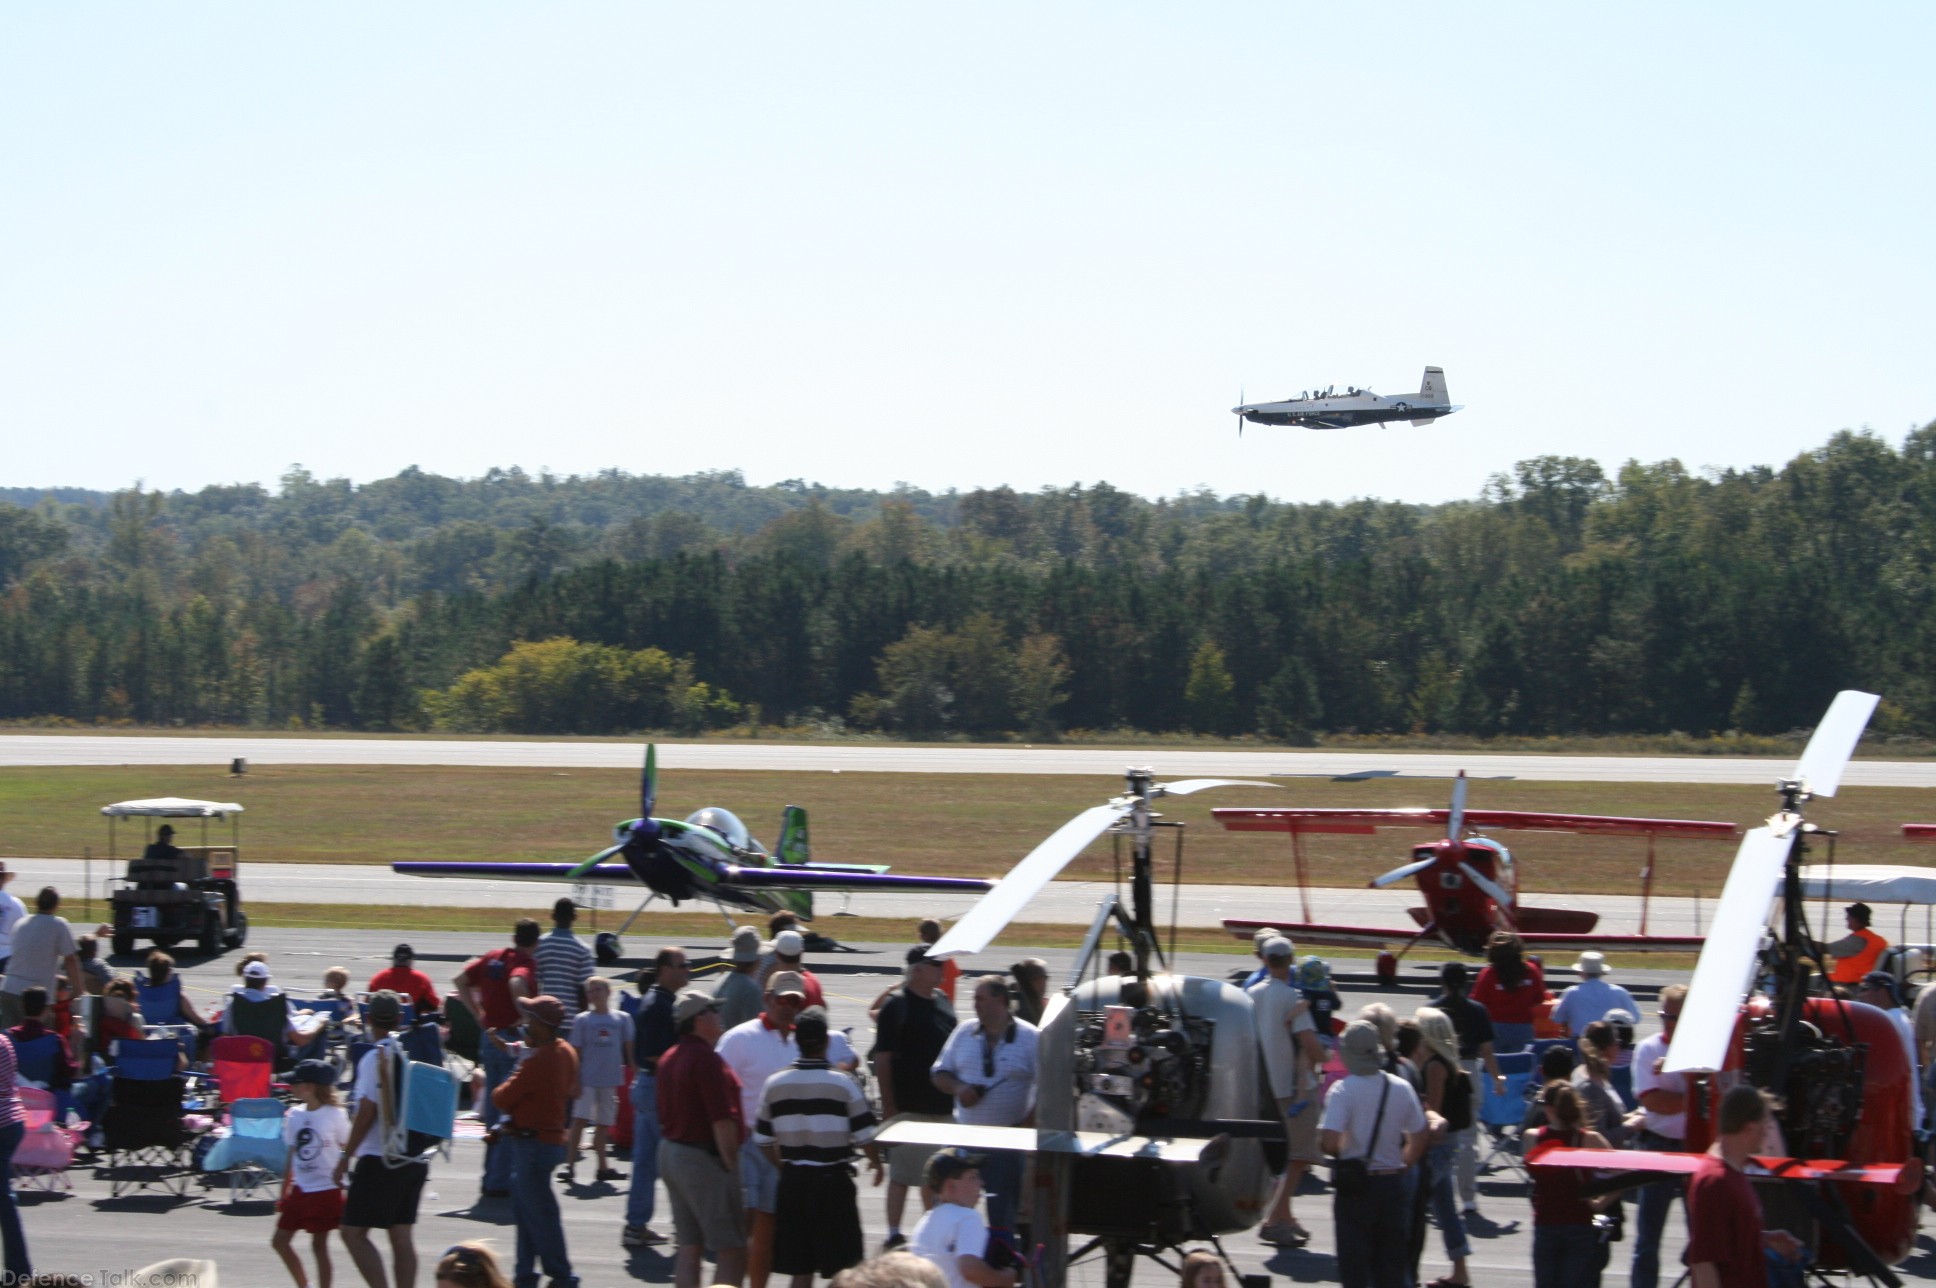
[1374, 1234]
[1441, 1176]
[541, 1231]
[498, 1066]
[645, 1148]
[1001, 1181]
[18, 1265]
[1650, 1218]
[1566, 1256]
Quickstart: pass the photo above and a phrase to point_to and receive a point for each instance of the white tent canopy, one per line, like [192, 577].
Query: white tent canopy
[1871, 883]
[171, 807]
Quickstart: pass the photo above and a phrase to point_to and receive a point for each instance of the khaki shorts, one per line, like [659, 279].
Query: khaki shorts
[706, 1209]
[908, 1164]
[1302, 1131]
[596, 1105]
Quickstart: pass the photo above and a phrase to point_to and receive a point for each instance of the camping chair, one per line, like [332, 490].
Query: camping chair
[42, 1063]
[466, 1036]
[252, 1153]
[267, 1019]
[242, 1067]
[1502, 1113]
[47, 1150]
[145, 1131]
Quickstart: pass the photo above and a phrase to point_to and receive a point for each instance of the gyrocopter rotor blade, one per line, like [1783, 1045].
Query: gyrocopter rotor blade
[1494, 891]
[1727, 963]
[1189, 785]
[1820, 769]
[1399, 874]
[1455, 826]
[979, 926]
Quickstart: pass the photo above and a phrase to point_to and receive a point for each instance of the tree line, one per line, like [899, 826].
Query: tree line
[1561, 600]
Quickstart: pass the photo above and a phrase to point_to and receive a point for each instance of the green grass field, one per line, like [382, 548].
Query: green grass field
[950, 824]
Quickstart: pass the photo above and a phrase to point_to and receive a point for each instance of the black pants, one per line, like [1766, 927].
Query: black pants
[816, 1221]
[1374, 1234]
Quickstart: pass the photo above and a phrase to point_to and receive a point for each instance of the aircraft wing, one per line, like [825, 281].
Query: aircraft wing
[1919, 832]
[1678, 1164]
[1366, 822]
[616, 873]
[1089, 1144]
[1333, 936]
[847, 880]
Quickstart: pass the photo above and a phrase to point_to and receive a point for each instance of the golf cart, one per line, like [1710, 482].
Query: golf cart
[176, 893]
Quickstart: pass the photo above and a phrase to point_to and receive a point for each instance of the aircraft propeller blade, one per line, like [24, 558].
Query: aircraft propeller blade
[1494, 891]
[1189, 785]
[1399, 874]
[978, 928]
[1454, 826]
[1726, 966]
[649, 781]
[1820, 769]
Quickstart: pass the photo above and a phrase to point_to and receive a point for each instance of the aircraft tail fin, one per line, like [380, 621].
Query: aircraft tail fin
[1431, 390]
[794, 848]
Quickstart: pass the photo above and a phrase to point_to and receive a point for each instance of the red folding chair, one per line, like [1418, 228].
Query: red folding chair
[243, 1067]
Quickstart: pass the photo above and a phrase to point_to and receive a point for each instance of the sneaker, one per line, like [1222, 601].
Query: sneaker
[640, 1236]
[610, 1174]
[1288, 1234]
[894, 1241]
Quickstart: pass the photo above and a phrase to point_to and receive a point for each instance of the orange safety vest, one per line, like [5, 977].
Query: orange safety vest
[1850, 970]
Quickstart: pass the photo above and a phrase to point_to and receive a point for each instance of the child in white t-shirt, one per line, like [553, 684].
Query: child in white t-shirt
[603, 1038]
[315, 1135]
[952, 1235]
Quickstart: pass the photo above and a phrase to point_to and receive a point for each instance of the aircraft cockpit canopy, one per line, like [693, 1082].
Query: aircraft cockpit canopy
[723, 823]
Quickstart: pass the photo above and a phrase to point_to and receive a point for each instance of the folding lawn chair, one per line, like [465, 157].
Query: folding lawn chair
[1502, 1113]
[146, 1138]
[267, 1019]
[243, 1067]
[252, 1153]
[47, 1150]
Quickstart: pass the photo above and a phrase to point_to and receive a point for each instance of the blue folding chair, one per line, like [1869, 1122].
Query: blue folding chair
[1502, 1113]
[252, 1153]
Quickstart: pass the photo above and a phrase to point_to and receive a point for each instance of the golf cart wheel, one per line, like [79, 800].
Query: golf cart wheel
[606, 948]
[209, 942]
[240, 935]
[165, 942]
[122, 944]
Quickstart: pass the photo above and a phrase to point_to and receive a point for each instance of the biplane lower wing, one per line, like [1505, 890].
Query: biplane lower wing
[851, 878]
[1334, 936]
[1657, 1162]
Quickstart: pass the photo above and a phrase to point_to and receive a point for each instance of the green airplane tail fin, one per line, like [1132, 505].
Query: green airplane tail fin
[794, 848]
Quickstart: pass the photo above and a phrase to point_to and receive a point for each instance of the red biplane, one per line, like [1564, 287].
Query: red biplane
[1469, 883]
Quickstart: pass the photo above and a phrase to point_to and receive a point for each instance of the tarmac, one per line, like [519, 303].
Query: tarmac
[88, 1233]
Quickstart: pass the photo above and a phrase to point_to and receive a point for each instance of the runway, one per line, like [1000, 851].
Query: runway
[90, 749]
[1062, 903]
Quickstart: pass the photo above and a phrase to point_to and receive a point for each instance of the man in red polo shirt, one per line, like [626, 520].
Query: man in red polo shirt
[403, 978]
[491, 985]
[1725, 1240]
[700, 1129]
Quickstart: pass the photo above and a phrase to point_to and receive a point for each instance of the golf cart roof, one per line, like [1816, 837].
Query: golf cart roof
[1870, 882]
[171, 807]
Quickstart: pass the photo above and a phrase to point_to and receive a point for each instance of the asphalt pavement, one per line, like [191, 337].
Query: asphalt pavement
[94, 749]
[86, 1232]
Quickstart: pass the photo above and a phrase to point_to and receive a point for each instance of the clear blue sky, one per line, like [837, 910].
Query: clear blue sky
[957, 245]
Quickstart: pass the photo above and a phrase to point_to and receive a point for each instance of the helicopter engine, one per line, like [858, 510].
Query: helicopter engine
[1821, 1091]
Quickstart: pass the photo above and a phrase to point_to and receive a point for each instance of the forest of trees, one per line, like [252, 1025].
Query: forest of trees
[1560, 601]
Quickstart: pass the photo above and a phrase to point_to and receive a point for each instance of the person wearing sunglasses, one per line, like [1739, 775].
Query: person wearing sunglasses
[989, 1067]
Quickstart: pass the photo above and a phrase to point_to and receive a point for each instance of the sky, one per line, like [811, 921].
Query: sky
[955, 245]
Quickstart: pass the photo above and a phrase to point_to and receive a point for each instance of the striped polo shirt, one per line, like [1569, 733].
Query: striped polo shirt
[564, 964]
[816, 1115]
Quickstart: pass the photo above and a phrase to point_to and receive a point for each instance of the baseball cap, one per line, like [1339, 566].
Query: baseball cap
[1360, 1046]
[789, 943]
[385, 1007]
[545, 1009]
[1879, 979]
[1279, 947]
[693, 1002]
[946, 1164]
[403, 952]
[782, 982]
[320, 1072]
[746, 944]
[811, 1024]
[256, 970]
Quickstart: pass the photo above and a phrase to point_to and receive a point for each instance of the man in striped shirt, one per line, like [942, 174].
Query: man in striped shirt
[564, 963]
[811, 1117]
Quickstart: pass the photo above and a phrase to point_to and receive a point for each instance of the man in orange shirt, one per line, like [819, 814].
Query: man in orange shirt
[1856, 953]
[536, 1100]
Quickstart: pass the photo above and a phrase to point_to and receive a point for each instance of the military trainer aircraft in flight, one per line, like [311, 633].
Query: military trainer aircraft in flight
[710, 855]
[1328, 409]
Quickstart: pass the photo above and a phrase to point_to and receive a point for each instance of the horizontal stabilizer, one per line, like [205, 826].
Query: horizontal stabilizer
[1089, 1144]
[1679, 1164]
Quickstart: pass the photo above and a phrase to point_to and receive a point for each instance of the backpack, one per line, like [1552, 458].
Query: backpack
[417, 1107]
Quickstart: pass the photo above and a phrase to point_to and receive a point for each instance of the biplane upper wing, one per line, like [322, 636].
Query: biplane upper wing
[1366, 822]
[1553, 1154]
[1335, 936]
